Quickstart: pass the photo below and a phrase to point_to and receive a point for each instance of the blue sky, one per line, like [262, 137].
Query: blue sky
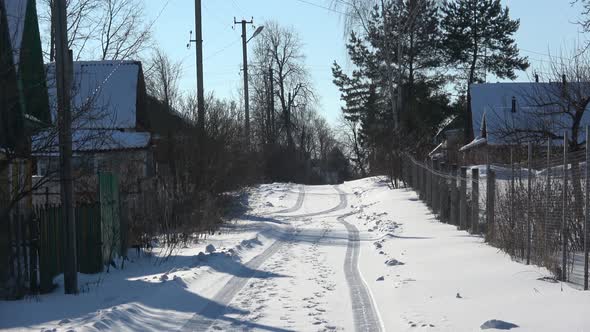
[546, 27]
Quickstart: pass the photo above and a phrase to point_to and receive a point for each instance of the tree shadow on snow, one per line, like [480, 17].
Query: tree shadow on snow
[223, 263]
[410, 237]
[249, 217]
[130, 307]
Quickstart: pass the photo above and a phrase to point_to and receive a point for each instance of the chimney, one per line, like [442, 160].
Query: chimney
[536, 78]
[563, 79]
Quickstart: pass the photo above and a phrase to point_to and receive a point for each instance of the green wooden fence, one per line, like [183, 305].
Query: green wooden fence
[112, 230]
[35, 238]
[50, 242]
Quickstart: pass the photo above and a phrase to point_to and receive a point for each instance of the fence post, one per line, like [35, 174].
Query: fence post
[416, 175]
[33, 247]
[454, 196]
[490, 203]
[564, 212]
[17, 245]
[435, 188]
[529, 203]
[430, 179]
[427, 176]
[424, 183]
[413, 171]
[587, 215]
[444, 194]
[432, 185]
[475, 200]
[463, 199]
[547, 199]
[511, 200]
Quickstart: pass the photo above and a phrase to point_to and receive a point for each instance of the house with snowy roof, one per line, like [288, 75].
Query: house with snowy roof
[508, 115]
[114, 122]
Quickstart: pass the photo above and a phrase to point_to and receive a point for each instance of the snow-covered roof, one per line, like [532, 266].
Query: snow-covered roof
[435, 150]
[104, 94]
[478, 141]
[444, 125]
[92, 140]
[536, 107]
[16, 12]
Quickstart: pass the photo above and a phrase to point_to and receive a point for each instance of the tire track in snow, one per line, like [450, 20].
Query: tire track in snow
[206, 317]
[298, 203]
[366, 317]
[341, 205]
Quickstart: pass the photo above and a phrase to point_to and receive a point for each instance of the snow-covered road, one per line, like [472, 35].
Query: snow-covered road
[303, 295]
[354, 257]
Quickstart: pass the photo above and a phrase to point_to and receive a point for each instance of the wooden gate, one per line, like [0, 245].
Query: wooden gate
[110, 216]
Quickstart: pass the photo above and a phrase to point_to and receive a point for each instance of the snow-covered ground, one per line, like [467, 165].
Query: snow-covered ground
[359, 256]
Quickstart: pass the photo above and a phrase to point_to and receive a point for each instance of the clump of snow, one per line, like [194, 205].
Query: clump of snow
[498, 325]
[210, 248]
[249, 243]
[393, 262]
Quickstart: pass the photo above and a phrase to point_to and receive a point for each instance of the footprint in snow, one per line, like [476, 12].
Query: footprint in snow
[498, 324]
[64, 321]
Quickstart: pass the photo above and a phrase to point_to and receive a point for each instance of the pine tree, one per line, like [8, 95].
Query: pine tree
[399, 54]
[478, 34]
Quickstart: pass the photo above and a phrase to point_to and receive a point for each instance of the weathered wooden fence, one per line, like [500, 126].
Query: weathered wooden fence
[32, 246]
[36, 252]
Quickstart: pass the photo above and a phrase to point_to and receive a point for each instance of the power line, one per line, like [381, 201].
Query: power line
[235, 4]
[545, 54]
[223, 49]
[160, 13]
[108, 77]
[324, 7]
[219, 19]
[346, 3]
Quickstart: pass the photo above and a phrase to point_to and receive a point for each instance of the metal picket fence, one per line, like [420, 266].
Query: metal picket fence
[534, 208]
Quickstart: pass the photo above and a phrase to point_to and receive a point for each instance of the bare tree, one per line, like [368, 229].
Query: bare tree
[104, 29]
[280, 48]
[81, 25]
[123, 31]
[355, 13]
[162, 75]
[350, 138]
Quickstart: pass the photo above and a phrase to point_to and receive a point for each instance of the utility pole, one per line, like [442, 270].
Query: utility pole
[246, 93]
[267, 100]
[63, 67]
[200, 90]
[272, 105]
[288, 121]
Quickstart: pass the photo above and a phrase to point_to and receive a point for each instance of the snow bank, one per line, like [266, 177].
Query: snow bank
[451, 280]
